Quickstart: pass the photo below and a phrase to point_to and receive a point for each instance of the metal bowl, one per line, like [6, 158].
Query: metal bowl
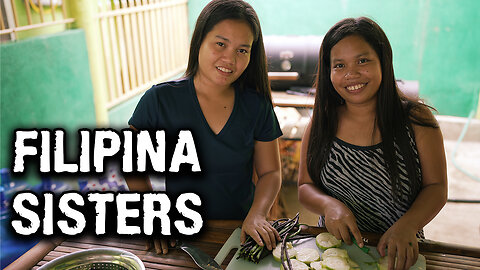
[98, 259]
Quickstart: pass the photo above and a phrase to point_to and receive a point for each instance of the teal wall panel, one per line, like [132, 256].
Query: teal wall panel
[45, 83]
[450, 66]
[434, 42]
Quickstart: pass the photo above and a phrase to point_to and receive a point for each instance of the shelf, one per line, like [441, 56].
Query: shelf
[282, 99]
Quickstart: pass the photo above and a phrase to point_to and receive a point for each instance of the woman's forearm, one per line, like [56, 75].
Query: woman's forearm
[426, 206]
[138, 183]
[266, 191]
[314, 199]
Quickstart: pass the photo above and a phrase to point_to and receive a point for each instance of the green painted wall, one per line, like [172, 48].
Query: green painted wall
[434, 42]
[45, 83]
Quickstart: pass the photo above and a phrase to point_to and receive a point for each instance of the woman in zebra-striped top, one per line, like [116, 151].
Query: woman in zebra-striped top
[372, 159]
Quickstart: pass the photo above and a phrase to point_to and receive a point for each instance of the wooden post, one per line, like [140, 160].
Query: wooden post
[85, 14]
[478, 106]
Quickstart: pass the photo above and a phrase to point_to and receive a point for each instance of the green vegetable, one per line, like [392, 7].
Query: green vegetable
[335, 263]
[297, 265]
[278, 251]
[326, 240]
[307, 255]
[335, 252]
[285, 227]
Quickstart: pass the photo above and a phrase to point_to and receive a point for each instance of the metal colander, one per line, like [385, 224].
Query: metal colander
[96, 259]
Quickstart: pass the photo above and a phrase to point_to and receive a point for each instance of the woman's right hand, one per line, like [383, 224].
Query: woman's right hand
[160, 245]
[340, 222]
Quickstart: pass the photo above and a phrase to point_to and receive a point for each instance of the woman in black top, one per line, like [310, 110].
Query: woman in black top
[225, 100]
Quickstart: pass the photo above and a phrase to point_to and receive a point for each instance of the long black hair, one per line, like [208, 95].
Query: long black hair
[394, 112]
[255, 75]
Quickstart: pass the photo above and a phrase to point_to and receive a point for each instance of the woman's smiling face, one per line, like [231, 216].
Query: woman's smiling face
[225, 53]
[355, 72]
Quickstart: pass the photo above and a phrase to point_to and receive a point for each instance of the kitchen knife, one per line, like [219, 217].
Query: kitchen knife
[369, 238]
[199, 257]
[424, 245]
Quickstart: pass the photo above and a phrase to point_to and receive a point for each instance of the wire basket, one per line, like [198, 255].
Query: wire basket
[96, 259]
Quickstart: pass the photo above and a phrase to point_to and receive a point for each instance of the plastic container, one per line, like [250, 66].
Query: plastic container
[10, 245]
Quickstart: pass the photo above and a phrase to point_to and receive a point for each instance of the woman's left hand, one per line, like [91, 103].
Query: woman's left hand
[402, 246]
[260, 230]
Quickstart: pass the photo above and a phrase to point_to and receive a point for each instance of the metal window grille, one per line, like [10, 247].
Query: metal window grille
[144, 42]
[23, 15]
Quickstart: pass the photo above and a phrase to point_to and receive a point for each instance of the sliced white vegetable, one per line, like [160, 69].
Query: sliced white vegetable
[353, 264]
[382, 263]
[307, 255]
[277, 252]
[335, 252]
[297, 265]
[318, 265]
[335, 263]
[327, 240]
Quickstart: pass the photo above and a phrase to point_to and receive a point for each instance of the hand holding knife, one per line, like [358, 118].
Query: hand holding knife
[424, 245]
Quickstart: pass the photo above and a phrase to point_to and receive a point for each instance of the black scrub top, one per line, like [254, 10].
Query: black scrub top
[226, 159]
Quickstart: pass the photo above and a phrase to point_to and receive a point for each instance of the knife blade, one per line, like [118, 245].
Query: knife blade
[424, 245]
[369, 238]
[199, 257]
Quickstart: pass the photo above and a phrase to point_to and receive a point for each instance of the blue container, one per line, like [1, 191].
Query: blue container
[11, 246]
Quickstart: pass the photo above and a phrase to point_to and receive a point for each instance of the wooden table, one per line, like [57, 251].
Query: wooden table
[210, 241]
[438, 255]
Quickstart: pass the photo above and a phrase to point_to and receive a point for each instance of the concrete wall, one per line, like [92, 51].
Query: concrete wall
[434, 42]
[45, 83]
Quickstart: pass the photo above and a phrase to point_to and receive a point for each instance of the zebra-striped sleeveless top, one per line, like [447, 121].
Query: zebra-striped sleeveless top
[357, 176]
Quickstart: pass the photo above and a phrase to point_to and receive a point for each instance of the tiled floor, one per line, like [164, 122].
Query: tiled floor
[457, 223]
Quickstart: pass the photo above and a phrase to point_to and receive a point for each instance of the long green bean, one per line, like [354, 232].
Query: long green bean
[285, 227]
